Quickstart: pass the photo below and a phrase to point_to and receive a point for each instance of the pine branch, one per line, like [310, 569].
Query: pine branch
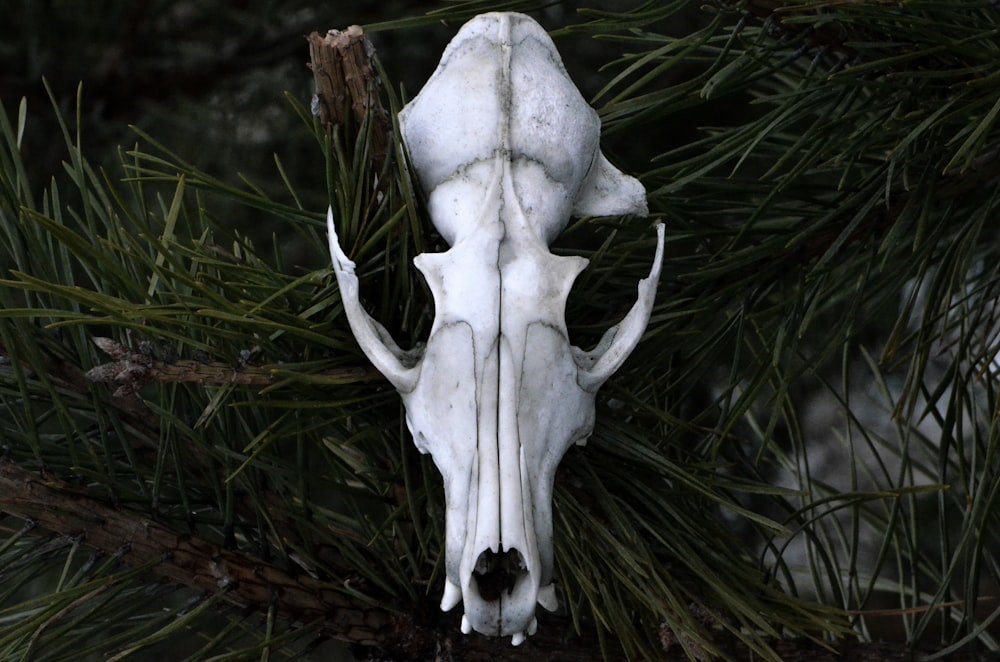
[382, 633]
[249, 582]
[187, 560]
[866, 168]
[981, 176]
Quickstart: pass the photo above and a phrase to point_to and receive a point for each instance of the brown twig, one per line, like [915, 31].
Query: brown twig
[132, 370]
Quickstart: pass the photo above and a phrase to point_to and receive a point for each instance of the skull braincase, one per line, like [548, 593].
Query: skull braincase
[506, 150]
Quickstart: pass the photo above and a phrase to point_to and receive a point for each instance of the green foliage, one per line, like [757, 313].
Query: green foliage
[804, 444]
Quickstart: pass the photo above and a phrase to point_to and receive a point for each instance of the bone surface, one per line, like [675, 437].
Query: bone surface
[506, 151]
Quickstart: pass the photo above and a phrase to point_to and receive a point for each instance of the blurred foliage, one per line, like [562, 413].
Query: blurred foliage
[804, 445]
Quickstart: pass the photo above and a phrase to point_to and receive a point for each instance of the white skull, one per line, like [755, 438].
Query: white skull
[506, 149]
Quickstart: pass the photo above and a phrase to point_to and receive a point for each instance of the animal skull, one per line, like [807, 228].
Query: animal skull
[506, 149]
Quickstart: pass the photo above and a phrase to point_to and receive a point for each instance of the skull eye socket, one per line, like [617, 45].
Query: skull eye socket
[498, 572]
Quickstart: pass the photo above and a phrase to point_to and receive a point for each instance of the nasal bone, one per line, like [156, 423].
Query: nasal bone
[500, 585]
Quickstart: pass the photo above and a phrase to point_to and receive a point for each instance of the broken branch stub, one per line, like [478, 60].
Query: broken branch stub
[346, 82]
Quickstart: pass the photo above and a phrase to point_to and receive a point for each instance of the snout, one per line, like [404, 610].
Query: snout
[500, 596]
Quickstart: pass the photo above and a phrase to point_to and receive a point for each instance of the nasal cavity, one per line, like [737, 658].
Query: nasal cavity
[497, 572]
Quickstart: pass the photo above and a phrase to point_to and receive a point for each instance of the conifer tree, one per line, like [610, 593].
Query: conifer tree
[801, 456]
